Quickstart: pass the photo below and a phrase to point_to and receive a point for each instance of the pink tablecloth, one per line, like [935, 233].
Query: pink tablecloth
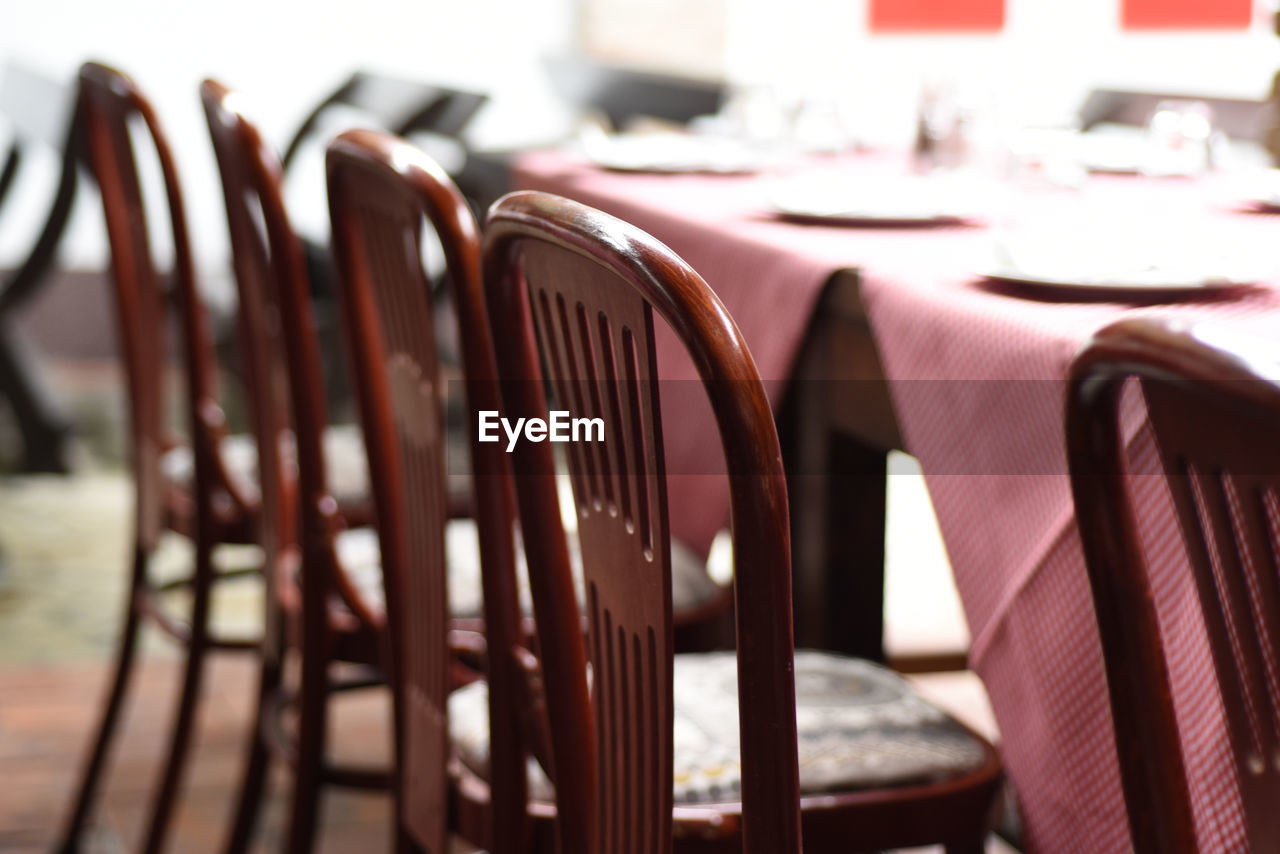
[976, 379]
[768, 274]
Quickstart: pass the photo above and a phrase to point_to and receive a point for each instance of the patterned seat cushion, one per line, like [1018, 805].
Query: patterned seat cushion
[345, 462]
[358, 551]
[860, 726]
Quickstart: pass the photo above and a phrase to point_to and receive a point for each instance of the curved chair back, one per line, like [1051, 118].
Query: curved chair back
[383, 192]
[110, 105]
[260, 333]
[574, 290]
[1215, 412]
[401, 107]
[283, 356]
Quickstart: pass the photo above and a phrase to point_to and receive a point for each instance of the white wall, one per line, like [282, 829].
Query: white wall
[1037, 70]
[285, 55]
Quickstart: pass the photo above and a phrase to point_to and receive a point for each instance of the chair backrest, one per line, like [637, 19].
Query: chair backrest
[40, 112]
[109, 105]
[259, 324]
[37, 107]
[399, 106]
[622, 93]
[1238, 118]
[382, 193]
[282, 356]
[1215, 412]
[586, 285]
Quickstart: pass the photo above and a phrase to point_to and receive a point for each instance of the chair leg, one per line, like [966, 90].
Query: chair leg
[971, 846]
[125, 659]
[253, 785]
[405, 844]
[312, 714]
[166, 794]
[44, 425]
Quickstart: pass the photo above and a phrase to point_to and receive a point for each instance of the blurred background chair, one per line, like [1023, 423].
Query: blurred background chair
[333, 593]
[1238, 118]
[401, 107]
[198, 495]
[621, 94]
[382, 193]
[885, 768]
[312, 606]
[40, 114]
[1214, 407]
[435, 117]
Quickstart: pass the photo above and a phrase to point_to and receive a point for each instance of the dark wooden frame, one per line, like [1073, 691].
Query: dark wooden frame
[402, 107]
[1215, 414]
[540, 250]
[42, 420]
[312, 606]
[382, 191]
[214, 510]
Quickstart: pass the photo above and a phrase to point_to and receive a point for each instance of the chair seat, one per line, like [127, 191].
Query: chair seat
[358, 551]
[860, 726]
[345, 462]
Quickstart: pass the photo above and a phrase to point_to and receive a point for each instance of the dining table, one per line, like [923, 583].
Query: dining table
[873, 335]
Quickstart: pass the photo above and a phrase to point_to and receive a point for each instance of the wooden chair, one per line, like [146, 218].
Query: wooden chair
[382, 191]
[622, 94]
[40, 114]
[392, 104]
[313, 603]
[401, 107]
[398, 105]
[574, 290]
[1238, 118]
[1214, 406]
[211, 506]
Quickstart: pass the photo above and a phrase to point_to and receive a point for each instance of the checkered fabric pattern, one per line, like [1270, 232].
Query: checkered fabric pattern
[996, 470]
[977, 379]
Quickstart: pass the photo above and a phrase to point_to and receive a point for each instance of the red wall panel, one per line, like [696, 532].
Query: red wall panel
[902, 16]
[1185, 14]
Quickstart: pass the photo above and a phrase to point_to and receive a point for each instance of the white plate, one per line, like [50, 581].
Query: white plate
[1153, 281]
[1261, 202]
[901, 201]
[879, 217]
[1256, 190]
[673, 153]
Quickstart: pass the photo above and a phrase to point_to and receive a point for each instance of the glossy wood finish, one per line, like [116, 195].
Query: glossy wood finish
[383, 192]
[213, 510]
[327, 617]
[1214, 406]
[592, 285]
